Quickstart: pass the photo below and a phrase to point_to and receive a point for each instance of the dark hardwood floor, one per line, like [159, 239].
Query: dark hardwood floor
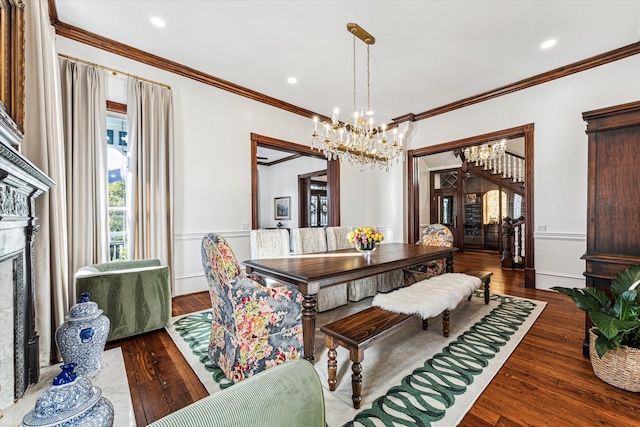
[545, 382]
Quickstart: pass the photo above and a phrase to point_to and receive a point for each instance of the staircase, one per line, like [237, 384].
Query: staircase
[507, 171]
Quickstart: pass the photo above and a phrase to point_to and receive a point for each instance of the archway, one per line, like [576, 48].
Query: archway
[525, 132]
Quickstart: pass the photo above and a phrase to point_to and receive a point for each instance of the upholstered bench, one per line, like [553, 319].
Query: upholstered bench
[390, 312]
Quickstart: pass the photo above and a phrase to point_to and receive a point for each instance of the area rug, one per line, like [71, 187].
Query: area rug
[413, 377]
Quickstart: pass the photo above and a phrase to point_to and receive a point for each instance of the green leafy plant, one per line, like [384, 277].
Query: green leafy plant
[616, 323]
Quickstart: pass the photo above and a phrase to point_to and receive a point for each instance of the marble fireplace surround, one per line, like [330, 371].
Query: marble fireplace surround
[20, 184]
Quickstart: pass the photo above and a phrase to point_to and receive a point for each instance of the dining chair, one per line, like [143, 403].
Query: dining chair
[432, 235]
[253, 327]
[269, 243]
[337, 238]
[312, 240]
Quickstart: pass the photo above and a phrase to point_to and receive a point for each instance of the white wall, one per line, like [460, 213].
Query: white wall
[560, 153]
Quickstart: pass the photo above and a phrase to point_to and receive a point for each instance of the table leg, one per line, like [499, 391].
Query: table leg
[486, 290]
[449, 267]
[309, 304]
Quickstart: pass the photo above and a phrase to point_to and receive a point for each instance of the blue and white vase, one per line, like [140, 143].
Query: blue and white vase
[83, 335]
[70, 401]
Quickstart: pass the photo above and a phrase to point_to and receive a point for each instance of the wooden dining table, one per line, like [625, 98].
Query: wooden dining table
[310, 272]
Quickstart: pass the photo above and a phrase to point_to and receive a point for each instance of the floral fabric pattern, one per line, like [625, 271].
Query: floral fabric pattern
[432, 235]
[254, 327]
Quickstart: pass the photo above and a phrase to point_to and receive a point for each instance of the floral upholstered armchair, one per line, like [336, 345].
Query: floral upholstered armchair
[254, 327]
[433, 235]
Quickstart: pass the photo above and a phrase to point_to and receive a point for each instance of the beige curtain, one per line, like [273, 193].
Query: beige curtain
[150, 139]
[84, 114]
[43, 145]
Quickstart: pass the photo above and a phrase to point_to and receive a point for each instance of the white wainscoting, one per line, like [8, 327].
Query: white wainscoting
[557, 259]
[188, 272]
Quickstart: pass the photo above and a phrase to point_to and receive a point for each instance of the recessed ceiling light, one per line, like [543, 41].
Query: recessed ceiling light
[157, 22]
[292, 80]
[548, 44]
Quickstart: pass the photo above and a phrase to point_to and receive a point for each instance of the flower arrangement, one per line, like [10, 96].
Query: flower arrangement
[365, 238]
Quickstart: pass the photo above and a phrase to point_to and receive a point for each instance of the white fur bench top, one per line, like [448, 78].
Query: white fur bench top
[430, 297]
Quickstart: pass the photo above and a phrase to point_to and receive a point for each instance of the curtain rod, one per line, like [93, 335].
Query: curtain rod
[115, 72]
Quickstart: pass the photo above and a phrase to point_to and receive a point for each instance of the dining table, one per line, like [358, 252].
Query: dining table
[310, 272]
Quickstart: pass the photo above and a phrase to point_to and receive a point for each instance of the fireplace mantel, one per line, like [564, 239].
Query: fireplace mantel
[20, 184]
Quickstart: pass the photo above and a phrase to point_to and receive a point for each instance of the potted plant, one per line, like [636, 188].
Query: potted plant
[615, 337]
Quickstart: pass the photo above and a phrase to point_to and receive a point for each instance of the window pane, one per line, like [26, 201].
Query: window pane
[118, 179]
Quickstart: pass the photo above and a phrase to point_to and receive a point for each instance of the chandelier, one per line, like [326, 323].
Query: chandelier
[358, 141]
[484, 153]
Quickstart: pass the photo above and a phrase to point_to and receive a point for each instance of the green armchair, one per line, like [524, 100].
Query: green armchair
[289, 394]
[135, 295]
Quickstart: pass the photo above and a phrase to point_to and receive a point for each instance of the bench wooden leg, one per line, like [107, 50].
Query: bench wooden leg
[445, 323]
[356, 384]
[332, 363]
[486, 290]
[425, 324]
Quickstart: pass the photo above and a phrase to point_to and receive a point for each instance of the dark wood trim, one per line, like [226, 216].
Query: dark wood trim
[333, 192]
[333, 174]
[116, 107]
[283, 160]
[576, 67]
[529, 247]
[109, 45]
[412, 196]
[525, 131]
[312, 174]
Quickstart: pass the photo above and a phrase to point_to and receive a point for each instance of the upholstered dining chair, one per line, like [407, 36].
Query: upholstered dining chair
[432, 235]
[269, 243]
[311, 240]
[254, 327]
[337, 238]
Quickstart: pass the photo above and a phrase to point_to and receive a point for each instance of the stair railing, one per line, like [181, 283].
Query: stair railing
[513, 242]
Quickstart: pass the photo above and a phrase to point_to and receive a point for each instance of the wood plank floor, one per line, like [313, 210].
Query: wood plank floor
[545, 382]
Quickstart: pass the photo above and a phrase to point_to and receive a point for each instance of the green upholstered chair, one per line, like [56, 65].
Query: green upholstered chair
[135, 295]
[289, 394]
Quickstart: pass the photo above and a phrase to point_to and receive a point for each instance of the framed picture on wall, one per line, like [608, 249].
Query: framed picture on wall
[281, 208]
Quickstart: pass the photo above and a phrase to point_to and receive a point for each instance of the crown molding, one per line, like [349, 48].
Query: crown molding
[109, 45]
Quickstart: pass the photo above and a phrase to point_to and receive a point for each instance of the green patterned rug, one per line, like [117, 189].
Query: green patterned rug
[412, 378]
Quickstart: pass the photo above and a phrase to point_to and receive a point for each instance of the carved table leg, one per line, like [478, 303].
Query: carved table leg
[309, 325]
[332, 363]
[486, 290]
[449, 264]
[356, 384]
[425, 324]
[445, 323]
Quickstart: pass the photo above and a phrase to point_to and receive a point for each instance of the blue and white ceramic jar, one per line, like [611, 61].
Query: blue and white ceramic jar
[70, 401]
[83, 335]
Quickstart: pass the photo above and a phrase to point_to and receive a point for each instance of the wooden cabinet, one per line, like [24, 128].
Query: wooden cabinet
[473, 231]
[613, 196]
[492, 237]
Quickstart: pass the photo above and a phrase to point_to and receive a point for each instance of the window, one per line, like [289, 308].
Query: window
[491, 209]
[118, 180]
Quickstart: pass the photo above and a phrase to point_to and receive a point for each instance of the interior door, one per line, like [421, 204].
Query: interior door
[447, 205]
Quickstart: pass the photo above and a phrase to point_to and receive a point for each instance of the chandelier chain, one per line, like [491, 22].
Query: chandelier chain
[368, 80]
[355, 106]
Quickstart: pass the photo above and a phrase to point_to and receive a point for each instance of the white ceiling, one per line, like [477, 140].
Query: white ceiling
[427, 53]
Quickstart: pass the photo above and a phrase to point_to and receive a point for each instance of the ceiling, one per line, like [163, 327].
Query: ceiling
[427, 53]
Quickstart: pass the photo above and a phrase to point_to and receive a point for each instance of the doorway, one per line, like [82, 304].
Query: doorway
[414, 183]
[313, 199]
[332, 175]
